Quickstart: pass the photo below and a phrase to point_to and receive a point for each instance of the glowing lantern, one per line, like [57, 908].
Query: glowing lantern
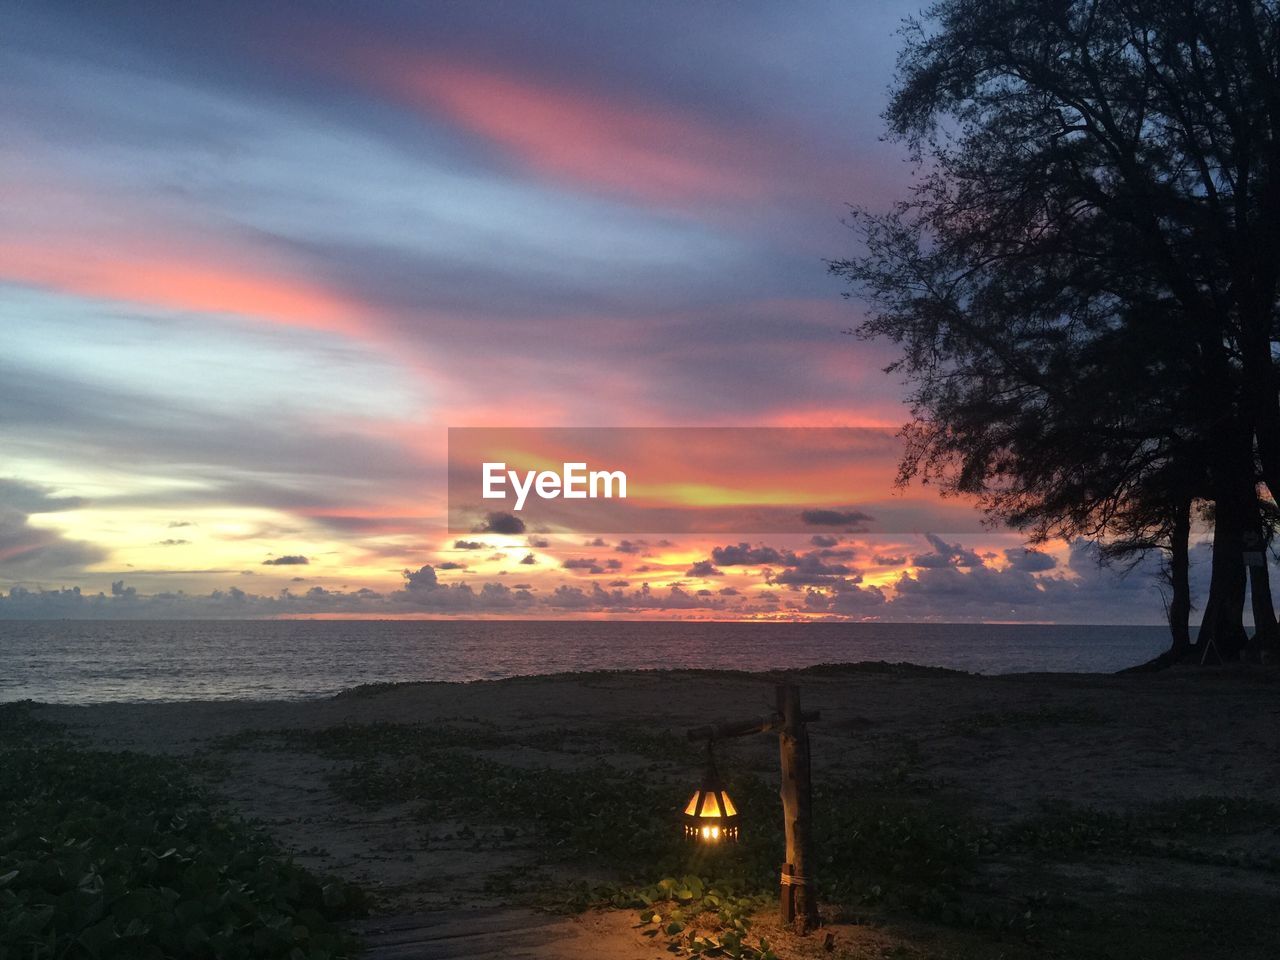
[710, 816]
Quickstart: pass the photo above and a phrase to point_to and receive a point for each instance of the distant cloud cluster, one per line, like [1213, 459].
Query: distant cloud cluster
[812, 569]
[825, 577]
[955, 583]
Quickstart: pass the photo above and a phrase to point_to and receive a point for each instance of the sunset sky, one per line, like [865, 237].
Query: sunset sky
[255, 259]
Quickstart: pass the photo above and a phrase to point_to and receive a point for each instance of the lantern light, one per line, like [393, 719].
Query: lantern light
[710, 816]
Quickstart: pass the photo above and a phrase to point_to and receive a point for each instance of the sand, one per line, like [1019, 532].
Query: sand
[1006, 746]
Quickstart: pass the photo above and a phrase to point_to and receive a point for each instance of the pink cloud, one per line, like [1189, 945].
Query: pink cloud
[621, 145]
[174, 282]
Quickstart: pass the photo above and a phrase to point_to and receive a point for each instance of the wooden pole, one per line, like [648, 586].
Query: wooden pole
[798, 899]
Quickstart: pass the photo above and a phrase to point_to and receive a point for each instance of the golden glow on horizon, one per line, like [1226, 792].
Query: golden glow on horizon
[197, 550]
[711, 495]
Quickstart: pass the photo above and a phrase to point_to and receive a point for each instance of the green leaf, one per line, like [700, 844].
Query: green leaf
[135, 928]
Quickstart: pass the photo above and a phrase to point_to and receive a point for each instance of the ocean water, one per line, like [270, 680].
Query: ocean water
[95, 661]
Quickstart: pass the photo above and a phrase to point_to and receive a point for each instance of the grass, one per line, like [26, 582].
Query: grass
[594, 809]
[121, 855]
[354, 740]
[1036, 719]
[1181, 830]
[897, 848]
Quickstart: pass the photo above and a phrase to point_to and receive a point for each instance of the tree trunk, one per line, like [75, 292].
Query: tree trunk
[1262, 391]
[1265, 642]
[1180, 582]
[1263, 646]
[1176, 574]
[1222, 635]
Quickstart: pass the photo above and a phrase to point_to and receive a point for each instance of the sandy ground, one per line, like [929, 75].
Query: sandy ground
[1006, 745]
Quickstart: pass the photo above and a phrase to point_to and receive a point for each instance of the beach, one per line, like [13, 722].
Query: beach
[1074, 814]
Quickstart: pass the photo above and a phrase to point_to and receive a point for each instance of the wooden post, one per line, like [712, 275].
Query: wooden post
[798, 899]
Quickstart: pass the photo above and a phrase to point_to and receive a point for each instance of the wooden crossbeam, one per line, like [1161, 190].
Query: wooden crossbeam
[745, 728]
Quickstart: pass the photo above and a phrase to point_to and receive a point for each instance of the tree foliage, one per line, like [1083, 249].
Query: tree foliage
[1083, 279]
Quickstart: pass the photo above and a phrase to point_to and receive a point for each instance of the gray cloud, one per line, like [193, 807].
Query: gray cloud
[704, 568]
[32, 498]
[850, 519]
[743, 554]
[424, 578]
[851, 601]
[813, 570]
[500, 522]
[1032, 561]
[588, 564]
[946, 555]
[29, 552]
[237, 459]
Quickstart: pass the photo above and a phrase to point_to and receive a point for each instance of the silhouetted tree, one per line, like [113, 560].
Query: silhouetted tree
[1084, 280]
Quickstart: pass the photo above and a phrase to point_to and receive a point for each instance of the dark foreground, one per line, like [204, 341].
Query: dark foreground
[957, 816]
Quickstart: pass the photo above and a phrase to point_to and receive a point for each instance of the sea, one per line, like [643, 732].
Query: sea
[77, 662]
